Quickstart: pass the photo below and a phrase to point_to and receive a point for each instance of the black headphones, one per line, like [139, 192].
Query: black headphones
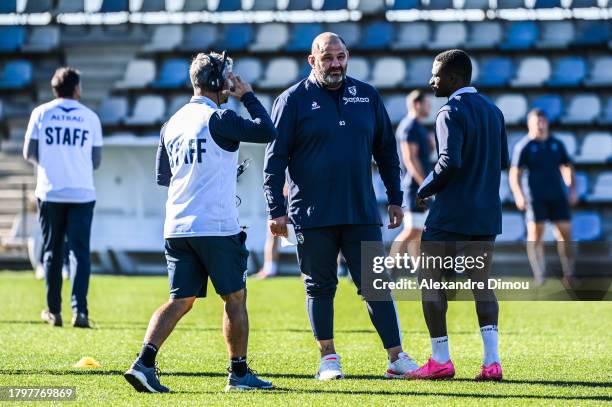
[215, 79]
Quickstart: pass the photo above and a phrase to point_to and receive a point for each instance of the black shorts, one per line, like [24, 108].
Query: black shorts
[554, 210]
[191, 260]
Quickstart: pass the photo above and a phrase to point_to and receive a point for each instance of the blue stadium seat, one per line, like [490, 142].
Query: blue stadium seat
[509, 4]
[418, 72]
[586, 226]
[113, 110]
[236, 37]
[476, 4]
[568, 71]
[11, 38]
[16, 74]
[448, 35]
[520, 35]
[415, 35]
[592, 33]
[152, 6]
[299, 5]
[439, 4]
[305, 68]
[495, 72]
[582, 185]
[547, 3]
[302, 36]
[174, 73]
[531, 72]
[569, 140]
[334, 5]
[602, 191]
[349, 31]
[370, 6]
[8, 6]
[396, 108]
[596, 148]
[113, 6]
[193, 5]
[513, 106]
[249, 69]
[583, 108]
[228, 5]
[70, 6]
[513, 227]
[405, 4]
[584, 3]
[552, 105]
[359, 68]
[556, 34]
[38, 6]
[606, 115]
[486, 34]
[199, 37]
[264, 5]
[601, 73]
[42, 39]
[378, 35]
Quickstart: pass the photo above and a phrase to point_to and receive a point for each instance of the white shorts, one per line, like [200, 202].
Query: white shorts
[415, 220]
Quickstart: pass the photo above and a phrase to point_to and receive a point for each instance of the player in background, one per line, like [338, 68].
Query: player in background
[329, 128]
[416, 145]
[270, 266]
[197, 159]
[64, 140]
[472, 151]
[547, 195]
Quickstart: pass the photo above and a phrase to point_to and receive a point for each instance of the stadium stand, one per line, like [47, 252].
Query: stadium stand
[174, 73]
[198, 37]
[496, 71]
[148, 110]
[388, 72]
[596, 148]
[165, 38]
[249, 69]
[412, 36]
[16, 74]
[70, 6]
[606, 116]
[556, 35]
[42, 39]
[350, 33]
[513, 106]
[532, 71]
[279, 73]
[377, 35]
[601, 73]
[602, 190]
[113, 110]
[448, 35]
[270, 37]
[236, 37]
[582, 109]
[586, 226]
[520, 35]
[8, 6]
[138, 74]
[568, 71]
[11, 38]
[552, 105]
[484, 35]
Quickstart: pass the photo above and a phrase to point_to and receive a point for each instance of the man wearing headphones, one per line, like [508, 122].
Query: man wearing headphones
[197, 159]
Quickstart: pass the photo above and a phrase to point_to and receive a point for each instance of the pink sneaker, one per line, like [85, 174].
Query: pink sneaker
[492, 372]
[433, 370]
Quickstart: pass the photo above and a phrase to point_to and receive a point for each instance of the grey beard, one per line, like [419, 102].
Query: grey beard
[326, 80]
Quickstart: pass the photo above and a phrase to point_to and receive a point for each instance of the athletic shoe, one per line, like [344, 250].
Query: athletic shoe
[249, 381]
[80, 320]
[145, 379]
[329, 368]
[404, 364]
[51, 319]
[493, 372]
[433, 370]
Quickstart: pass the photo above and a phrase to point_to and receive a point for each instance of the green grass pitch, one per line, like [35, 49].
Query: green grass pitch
[553, 353]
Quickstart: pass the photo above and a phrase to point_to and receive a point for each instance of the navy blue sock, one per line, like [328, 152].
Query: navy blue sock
[239, 366]
[321, 314]
[148, 354]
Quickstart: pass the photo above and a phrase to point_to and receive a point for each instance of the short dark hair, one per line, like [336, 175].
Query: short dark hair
[537, 112]
[458, 62]
[65, 80]
[415, 96]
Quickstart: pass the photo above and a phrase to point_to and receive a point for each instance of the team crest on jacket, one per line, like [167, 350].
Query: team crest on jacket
[352, 90]
[300, 238]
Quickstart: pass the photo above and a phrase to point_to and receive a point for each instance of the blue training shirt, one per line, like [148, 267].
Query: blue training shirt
[542, 159]
[326, 141]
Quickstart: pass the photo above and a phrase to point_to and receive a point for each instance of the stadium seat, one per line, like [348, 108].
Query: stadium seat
[552, 105]
[439, 4]
[334, 5]
[403, 4]
[436, 104]
[11, 38]
[112, 110]
[601, 73]
[513, 106]
[175, 103]
[299, 5]
[270, 37]
[584, 3]
[16, 74]
[520, 35]
[42, 39]
[495, 72]
[532, 71]
[602, 190]
[349, 31]
[225, 5]
[263, 5]
[191, 5]
[596, 148]
[418, 72]
[236, 37]
[412, 36]
[266, 101]
[475, 69]
[148, 110]
[509, 4]
[378, 35]
[568, 71]
[606, 115]
[513, 227]
[547, 3]
[280, 73]
[592, 33]
[569, 141]
[199, 37]
[8, 6]
[582, 185]
[305, 69]
[165, 38]
[505, 194]
[484, 35]
[586, 226]
[174, 73]
[37, 6]
[70, 6]
[388, 72]
[359, 68]
[476, 4]
[448, 35]
[249, 69]
[556, 34]
[396, 108]
[513, 138]
[302, 36]
[114, 6]
[582, 109]
[370, 6]
[138, 74]
[148, 6]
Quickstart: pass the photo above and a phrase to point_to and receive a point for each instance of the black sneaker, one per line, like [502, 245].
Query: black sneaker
[249, 381]
[145, 379]
[80, 320]
[51, 319]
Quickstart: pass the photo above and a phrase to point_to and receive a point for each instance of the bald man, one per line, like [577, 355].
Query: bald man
[329, 128]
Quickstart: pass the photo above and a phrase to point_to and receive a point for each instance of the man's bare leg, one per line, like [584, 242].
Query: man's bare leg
[563, 234]
[535, 250]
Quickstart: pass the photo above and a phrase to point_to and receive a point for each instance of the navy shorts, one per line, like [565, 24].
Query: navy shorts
[554, 210]
[191, 260]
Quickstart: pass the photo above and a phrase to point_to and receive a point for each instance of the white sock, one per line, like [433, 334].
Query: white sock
[490, 343]
[439, 349]
[270, 268]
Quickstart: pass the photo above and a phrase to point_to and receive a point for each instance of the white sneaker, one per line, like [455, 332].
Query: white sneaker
[398, 369]
[329, 368]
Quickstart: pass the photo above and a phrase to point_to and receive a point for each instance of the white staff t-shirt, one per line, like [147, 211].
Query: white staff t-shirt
[66, 131]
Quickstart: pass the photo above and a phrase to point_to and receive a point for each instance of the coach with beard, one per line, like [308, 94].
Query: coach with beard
[329, 128]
